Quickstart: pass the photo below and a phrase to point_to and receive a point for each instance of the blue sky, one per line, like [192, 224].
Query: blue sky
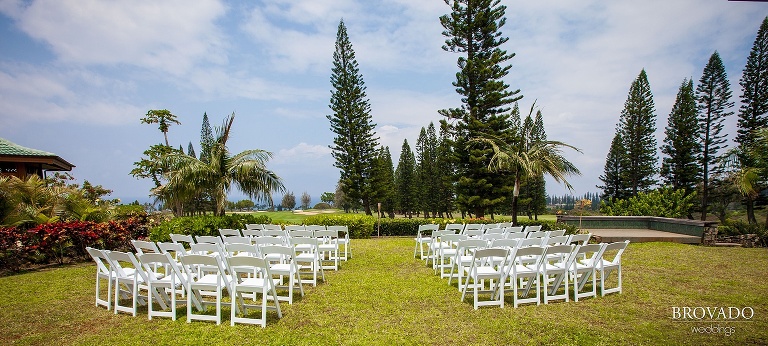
[76, 76]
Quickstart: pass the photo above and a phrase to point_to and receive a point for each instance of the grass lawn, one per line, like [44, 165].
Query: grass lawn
[384, 296]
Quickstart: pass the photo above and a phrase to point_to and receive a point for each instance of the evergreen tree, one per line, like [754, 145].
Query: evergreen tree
[191, 150]
[473, 29]
[206, 140]
[614, 186]
[354, 146]
[754, 103]
[681, 168]
[405, 178]
[383, 181]
[536, 184]
[713, 96]
[638, 126]
[388, 181]
[426, 157]
[445, 169]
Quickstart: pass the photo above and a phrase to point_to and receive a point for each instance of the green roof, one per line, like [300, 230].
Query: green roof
[10, 148]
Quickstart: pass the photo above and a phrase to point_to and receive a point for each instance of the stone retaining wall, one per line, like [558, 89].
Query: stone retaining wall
[679, 226]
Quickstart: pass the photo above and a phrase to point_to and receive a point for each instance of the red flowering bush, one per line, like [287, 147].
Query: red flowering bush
[61, 241]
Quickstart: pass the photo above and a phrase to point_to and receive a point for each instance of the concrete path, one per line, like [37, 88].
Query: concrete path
[610, 235]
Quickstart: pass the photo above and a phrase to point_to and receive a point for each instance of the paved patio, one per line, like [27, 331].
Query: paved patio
[642, 235]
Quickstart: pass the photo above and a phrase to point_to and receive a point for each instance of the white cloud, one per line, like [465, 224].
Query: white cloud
[29, 94]
[301, 153]
[169, 36]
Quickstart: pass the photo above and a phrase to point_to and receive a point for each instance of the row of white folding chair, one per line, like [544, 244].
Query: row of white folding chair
[258, 230]
[131, 274]
[555, 264]
[487, 231]
[311, 252]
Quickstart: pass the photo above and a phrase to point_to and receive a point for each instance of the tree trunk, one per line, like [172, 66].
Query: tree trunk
[515, 195]
[704, 196]
[751, 210]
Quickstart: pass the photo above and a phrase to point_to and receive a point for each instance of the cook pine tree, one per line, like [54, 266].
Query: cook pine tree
[473, 30]
[713, 98]
[354, 147]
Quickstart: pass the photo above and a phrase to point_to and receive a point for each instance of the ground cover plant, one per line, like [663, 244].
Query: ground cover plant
[385, 296]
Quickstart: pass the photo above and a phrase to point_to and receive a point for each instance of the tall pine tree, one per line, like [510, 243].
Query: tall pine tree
[614, 185]
[446, 195]
[713, 96]
[354, 146]
[473, 29]
[638, 126]
[680, 169]
[405, 181]
[383, 183]
[206, 139]
[754, 103]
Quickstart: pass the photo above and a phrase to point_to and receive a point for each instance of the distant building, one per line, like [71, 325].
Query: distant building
[22, 162]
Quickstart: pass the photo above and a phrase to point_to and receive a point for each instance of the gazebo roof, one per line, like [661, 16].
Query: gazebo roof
[12, 152]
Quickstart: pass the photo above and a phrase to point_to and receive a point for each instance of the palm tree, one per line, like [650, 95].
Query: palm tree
[190, 176]
[164, 118]
[750, 180]
[525, 155]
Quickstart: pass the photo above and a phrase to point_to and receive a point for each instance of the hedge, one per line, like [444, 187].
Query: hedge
[58, 241]
[360, 226]
[204, 225]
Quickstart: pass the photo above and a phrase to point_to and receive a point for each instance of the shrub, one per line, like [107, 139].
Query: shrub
[322, 206]
[12, 251]
[360, 226]
[662, 202]
[738, 227]
[203, 225]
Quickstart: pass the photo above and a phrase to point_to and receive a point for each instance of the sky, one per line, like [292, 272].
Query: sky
[76, 77]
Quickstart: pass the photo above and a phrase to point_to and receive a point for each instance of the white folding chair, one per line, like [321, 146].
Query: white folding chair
[515, 229]
[481, 269]
[129, 274]
[448, 251]
[263, 285]
[525, 274]
[344, 241]
[229, 232]
[472, 228]
[537, 234]
[557, 233]
[610, 261]
[252, 233]
[579, 239]
[584, 270]
[494, 230]
[143, 246]
[423, 237]
[213, 282]
[455, 227]
[515, 235]
[283, 264]
[555, 269]
[532, 228]
[463, 258]
[254, 226]
[103, 272]
[209, 239]
[183, 239]
[236, 239]
[167, 285]
[328, 247]
[308, 257]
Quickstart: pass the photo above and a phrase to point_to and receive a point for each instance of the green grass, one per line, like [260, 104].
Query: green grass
[384, 296]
